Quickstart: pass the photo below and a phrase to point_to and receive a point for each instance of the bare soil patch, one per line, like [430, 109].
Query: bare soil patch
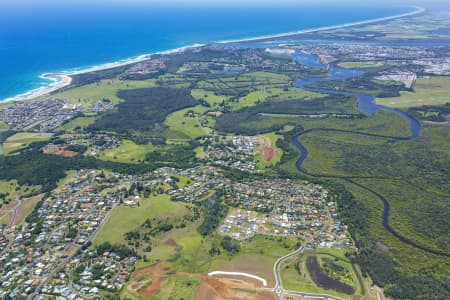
[60, 152]
[142, 276]
[227, 287]
[267, 151]
[171, 243]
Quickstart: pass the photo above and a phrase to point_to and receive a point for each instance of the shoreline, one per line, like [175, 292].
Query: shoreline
[64, 79]
[417, 10]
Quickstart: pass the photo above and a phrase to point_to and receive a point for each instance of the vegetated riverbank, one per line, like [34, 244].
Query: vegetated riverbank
[367, 105]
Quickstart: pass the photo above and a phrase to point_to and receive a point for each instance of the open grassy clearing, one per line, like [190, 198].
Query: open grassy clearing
[26, 208]
[124, 219]
[360, 64]
[127, 152]
[79, 123]
[173, 80]
[188, 255]
[3, 126]
[178, 287]
[268, 154]
[261, 95]
[381, 122]
[211, 97]
[427, 91]
[182, 181]
[185, 124]
[23, 139]
[246, 82]
[200, 152]
[10, 190]
[257, 256]
[86, 95]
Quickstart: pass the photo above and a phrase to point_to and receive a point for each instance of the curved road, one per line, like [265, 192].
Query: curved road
[11, 222]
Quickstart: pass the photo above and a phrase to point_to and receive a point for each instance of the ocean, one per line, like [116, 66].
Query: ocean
[39, 36]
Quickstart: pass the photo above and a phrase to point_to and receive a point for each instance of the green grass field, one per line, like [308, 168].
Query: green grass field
[80, 122]
[360, 64]
[200, 152]
[23, 139]
[257, 256]
[262, 95]
[183, 126]
[382, 122]
[88, 94]
[3, 126]
[249, 82]
[124, 219]
[209, 96]
[428, 91]
[9, 188]
[127, 152]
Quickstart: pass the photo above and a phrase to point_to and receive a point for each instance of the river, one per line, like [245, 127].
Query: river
[367, 105]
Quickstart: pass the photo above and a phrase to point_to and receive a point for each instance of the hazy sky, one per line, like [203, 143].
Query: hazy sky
[434, 4]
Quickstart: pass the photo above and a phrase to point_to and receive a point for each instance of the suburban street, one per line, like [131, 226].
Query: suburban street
[278, 289]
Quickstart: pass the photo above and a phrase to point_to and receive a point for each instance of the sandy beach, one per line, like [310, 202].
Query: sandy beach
[63, 79]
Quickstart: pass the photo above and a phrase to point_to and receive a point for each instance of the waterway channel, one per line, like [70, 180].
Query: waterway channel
[366, 105]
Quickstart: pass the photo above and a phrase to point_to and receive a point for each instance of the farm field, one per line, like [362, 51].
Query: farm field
[427, 91]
